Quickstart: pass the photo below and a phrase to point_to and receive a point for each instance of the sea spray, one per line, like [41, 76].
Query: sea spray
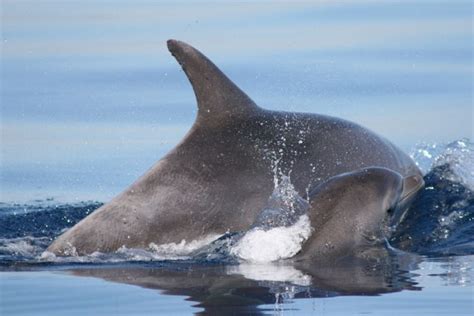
[280, 230]
[441, 219]
[260, 245]
[457, 155]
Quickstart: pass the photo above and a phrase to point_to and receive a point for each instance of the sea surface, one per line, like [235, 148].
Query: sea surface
[90, 99]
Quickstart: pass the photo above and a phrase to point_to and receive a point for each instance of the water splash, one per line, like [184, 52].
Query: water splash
[22, 248]
[283, 225]
[441, 220]
[182, 250]
[259, 245]
[458, 155]
[172, 251]
[280, 229]
[284, 207]
[283, 150]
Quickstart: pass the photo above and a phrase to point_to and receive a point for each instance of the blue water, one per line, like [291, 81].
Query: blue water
[90, 98]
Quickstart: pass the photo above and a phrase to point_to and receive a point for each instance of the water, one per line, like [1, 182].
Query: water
[90, 99]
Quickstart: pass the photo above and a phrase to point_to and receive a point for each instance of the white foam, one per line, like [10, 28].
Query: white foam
[171, 251]
[182, 249]
[277, 243]
[18, 247]
[47, 256]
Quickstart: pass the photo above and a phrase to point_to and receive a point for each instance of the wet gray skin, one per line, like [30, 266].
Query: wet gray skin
[220, 176]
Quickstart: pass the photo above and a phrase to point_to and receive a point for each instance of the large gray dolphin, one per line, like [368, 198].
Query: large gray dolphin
[218, 178]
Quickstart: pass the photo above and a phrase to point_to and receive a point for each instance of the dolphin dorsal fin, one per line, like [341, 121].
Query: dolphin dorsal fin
[218, 98]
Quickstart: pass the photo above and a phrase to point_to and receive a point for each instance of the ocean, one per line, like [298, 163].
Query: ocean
[91, 99]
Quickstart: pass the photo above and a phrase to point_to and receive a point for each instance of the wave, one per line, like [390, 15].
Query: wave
[457, 157]
[441, 220]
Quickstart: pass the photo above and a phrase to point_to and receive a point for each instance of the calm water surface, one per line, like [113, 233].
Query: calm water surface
[90, 99]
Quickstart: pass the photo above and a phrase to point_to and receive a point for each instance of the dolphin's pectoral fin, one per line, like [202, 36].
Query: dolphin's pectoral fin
[349, 213]
[218, 98]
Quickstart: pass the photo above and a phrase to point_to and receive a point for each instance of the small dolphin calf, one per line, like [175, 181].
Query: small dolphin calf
[221, 174]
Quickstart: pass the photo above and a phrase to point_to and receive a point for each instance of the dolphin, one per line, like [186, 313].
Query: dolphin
[219, 177]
